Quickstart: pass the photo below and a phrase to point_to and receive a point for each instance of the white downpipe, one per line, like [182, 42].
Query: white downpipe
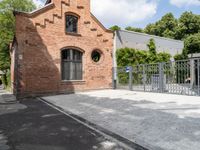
[114, 55]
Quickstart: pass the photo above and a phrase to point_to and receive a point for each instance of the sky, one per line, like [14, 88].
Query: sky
[137, 13]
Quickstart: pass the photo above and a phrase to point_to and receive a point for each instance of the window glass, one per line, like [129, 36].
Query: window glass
[71, 23]
[66, 55]
[96, 56]
[71, 64]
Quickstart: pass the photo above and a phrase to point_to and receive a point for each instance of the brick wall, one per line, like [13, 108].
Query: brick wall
[41, 36]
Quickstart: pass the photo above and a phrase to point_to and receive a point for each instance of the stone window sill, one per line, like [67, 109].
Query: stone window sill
[72, 34]
[73, 81]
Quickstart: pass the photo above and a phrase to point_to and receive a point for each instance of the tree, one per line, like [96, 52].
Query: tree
[180, 57]
[152, 46]
[192, 44]
[164, 27]
[4, 58]
[7, 20]
[150, 29]
[189, 24]
[134, 29]
[115, 28]
[7, 27]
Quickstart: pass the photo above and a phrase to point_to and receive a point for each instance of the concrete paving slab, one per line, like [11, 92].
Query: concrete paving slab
[155, 121]
[33, 125]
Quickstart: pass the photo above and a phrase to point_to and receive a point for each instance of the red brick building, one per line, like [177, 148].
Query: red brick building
[60, 48]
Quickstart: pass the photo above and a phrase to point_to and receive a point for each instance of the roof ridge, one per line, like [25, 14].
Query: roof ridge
[155, 36]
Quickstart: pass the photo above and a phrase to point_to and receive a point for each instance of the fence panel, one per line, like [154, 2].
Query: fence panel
[178, 77]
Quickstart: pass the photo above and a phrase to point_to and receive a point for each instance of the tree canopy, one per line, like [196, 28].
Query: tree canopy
[115, 28]
[186, 28]
[7, 28]
[166, 27]
[134, 29]
[192, 44]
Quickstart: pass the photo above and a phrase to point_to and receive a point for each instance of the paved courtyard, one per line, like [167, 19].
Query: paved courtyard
[33, 125]
[155, 121]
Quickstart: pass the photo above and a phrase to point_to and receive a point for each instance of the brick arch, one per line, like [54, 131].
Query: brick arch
[72, 13]
[77, 77]
[72, 47]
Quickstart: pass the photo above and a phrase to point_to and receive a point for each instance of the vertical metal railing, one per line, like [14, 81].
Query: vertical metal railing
[177, 77]
[198, 72]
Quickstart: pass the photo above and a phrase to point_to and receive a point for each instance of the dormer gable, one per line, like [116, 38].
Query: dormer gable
[80, 4]
[56, 9]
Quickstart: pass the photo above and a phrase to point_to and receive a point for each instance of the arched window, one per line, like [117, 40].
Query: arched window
[71, 24]
[71, 64]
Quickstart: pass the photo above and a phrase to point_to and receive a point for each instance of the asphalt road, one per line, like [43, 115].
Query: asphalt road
[33, 125]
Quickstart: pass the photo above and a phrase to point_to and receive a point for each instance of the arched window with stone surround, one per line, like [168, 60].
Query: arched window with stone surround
[71, 64]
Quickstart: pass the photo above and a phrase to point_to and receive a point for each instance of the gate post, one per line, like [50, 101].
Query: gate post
[130, 78]
[144, 77]
[161, 78]
[192, 73]
[114, 78]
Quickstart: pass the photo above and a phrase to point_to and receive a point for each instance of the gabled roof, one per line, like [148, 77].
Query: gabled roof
[35, 12]
[49, 5]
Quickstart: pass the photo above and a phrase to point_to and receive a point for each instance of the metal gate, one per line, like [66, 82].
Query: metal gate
[178, 77]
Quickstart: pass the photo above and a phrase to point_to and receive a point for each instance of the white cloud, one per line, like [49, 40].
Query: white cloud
[123, 12]
[183, 3]
[120, 12]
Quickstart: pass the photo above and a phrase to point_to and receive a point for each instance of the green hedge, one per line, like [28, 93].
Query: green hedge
[129, 57]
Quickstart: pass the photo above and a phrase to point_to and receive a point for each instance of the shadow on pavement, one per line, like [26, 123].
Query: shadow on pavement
[32, 125]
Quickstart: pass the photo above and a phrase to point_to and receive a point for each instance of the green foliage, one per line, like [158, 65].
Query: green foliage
[186, 28]
[6, 80]
[8, 76]
[179, 57]
[151, 29]
[170, 27]
[188, 24]
[192, 44]
[152, 46]
[7, 29]
[134, 29]
[7, 20]
[4, 57]
[163, 57]
[164, 27]
[115, 28]
[129, 57]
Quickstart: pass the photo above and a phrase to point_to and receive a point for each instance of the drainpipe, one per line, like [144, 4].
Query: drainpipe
[114, 61]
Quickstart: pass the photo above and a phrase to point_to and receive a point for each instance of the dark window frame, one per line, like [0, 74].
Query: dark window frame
[76, 28]
[73, 58]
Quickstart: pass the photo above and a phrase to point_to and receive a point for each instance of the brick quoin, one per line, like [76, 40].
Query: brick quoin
[36, 51]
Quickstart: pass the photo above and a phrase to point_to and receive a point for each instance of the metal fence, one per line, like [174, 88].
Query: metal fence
[178, 77]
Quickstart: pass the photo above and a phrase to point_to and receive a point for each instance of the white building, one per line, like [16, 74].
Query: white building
[139, 41]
